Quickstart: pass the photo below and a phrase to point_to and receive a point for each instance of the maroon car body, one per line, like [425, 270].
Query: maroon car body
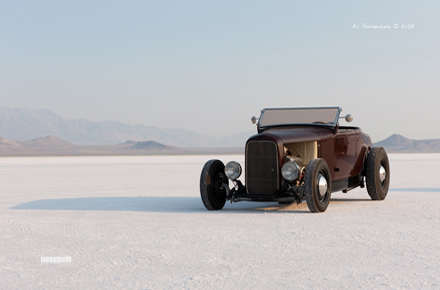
[291, 161]
[344, 150]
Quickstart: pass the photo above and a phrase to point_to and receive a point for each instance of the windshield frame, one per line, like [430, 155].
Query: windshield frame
[332, 125]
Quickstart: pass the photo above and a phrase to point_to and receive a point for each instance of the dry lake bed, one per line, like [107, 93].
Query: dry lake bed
[138, 222]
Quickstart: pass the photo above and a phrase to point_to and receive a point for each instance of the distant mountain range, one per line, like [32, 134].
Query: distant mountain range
[51, 145]
[26, 124]
[54, 146]
[398, 143]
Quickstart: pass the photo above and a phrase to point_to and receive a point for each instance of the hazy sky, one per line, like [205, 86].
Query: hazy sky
[208, 66]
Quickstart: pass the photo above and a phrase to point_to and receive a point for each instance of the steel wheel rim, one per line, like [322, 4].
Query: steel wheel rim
[322, 188]
[382, 174]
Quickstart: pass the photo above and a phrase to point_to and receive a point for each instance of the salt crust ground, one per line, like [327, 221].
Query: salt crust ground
[138, 222]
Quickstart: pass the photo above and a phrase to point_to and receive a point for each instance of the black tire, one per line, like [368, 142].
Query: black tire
[316, 201]
[211, 180]
[377, 188]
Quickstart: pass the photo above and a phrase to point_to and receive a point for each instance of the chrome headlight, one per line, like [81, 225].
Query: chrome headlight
[290, 171]
[233, 170]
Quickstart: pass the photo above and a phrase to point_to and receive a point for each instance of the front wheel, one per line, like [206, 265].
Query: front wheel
[211, 185]
[318, 185]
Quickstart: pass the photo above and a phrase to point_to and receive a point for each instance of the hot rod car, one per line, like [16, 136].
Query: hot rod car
[299, 154]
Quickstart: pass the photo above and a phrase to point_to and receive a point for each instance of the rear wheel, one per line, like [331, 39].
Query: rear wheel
[317, 183]
[378, 173]
[211, 185]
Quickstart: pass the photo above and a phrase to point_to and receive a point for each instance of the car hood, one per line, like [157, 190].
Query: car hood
[293, 135]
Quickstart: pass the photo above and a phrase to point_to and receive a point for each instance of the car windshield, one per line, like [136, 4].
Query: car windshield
[284, 116]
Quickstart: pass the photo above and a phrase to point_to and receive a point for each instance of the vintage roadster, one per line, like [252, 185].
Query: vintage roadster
[299, 154]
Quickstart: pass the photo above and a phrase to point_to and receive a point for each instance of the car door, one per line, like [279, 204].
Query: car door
[346, 153]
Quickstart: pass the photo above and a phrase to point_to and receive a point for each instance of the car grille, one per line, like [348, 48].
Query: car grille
[261, 167]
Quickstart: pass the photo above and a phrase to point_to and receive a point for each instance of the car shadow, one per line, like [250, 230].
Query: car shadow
[142, 203]
[416, 189]
[162, 204]
[349, 199]
[151, 204]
